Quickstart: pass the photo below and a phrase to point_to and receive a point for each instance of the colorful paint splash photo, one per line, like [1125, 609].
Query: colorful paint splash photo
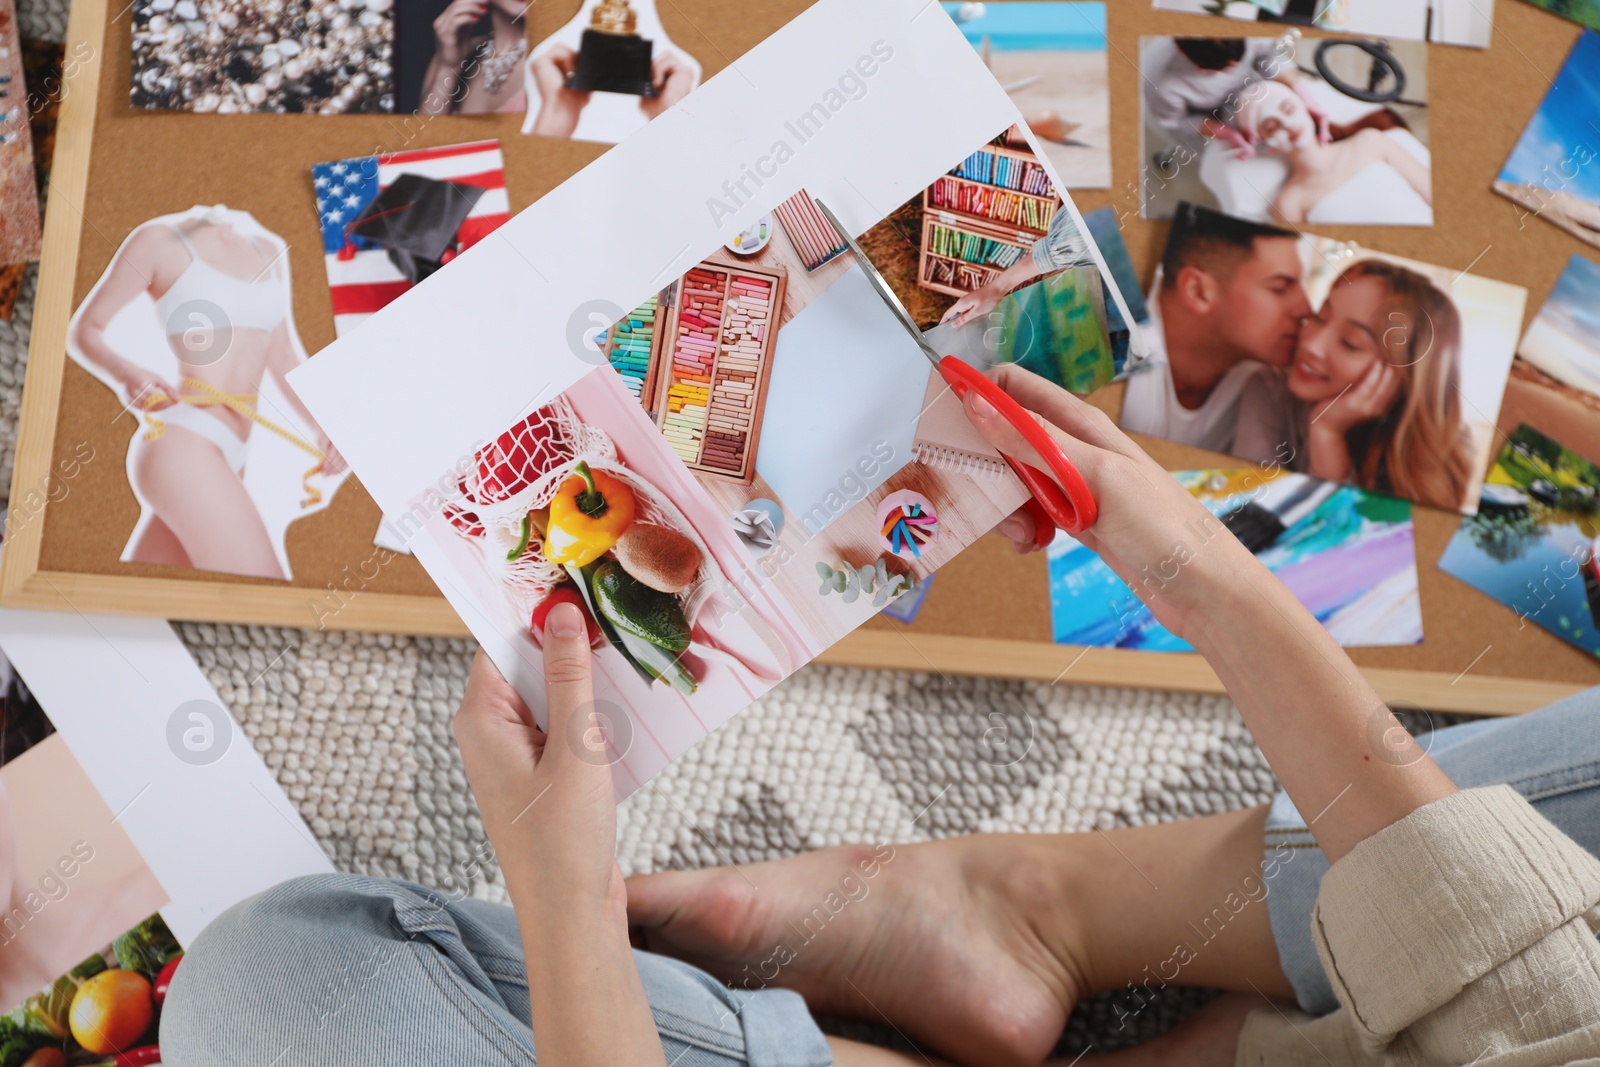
[1532, 545]
[1348, 555]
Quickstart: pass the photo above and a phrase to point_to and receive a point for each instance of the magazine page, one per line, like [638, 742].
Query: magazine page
[668, 392]
[133, 811]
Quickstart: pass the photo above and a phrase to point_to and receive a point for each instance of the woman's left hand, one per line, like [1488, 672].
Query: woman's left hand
[546, 798]
[1368, 399]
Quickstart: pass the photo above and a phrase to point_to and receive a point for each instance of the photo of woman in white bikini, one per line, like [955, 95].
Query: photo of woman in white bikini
[192, 327]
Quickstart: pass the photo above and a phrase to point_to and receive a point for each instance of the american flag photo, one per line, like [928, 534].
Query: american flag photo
[376, 252]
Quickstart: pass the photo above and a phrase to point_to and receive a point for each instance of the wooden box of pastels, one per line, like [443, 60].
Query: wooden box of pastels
[982, 217]
[698, 356]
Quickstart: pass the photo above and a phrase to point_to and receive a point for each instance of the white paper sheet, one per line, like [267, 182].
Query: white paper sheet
[213, 832]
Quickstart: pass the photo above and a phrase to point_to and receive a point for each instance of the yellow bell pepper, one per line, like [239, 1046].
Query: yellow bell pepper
[587, 515]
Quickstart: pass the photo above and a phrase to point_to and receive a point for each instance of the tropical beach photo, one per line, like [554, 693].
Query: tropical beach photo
[1549, 172]
[1051, 58]
[1564, 338]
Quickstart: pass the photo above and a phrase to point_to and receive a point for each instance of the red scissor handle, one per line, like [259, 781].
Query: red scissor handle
[1061, 501]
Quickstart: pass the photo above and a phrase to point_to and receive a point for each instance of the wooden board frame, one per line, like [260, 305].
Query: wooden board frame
[23, 583]
[988, 641]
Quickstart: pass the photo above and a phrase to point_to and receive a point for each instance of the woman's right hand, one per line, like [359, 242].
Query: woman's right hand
[457, 16]
[1151, 531]
[146, 390]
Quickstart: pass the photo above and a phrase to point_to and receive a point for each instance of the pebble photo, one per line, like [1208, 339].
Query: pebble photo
[318, 57]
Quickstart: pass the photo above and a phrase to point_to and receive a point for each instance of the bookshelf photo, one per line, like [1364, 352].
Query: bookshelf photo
[983, 216]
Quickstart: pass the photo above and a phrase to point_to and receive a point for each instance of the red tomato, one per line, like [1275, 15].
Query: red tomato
[564, 594]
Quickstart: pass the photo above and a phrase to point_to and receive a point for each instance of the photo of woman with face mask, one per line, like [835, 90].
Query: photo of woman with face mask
[1373, 395]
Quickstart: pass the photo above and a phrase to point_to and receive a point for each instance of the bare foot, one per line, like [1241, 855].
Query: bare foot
[946, 940]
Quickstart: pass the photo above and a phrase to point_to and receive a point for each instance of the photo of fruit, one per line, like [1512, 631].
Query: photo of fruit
[107, 1009]
[686, 629]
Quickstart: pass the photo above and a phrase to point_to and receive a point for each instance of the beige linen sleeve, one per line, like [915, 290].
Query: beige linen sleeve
[1462, 934]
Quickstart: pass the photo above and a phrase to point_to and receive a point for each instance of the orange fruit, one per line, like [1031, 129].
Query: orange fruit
[110, 1011]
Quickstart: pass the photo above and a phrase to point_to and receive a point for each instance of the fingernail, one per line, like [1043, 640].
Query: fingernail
[980, 406]
[564, 620]
[1012, 530]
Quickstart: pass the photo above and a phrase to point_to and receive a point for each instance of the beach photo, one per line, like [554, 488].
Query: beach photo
[607, 72]
[1347, 554]
[1051, 58]
[1329, 130]
[192, 327]
[1532, 545]
[1326, 358]
[1563, 340]
[1550, 172]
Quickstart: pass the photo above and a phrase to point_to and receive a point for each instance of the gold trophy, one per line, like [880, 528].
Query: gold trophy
[612, 58]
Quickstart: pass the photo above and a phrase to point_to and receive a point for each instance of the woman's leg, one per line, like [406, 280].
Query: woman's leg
[158, 544]
[197, 496]
[368, 972]
[1550, 756]
[978, 947]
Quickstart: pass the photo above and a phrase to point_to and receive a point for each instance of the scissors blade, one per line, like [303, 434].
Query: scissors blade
[881, 286]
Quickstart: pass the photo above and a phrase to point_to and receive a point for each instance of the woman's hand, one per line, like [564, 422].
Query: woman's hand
[1370, 398]
[975, 305]
[546, 798]
[456, 17]
[673, 79]
[559, 107]
[550, 812]
[1151, 531]
[146, 390]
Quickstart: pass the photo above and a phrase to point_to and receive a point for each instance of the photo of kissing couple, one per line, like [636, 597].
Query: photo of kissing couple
[1325, 358]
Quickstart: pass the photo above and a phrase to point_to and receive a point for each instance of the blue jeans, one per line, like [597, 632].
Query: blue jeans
[356, 971]
[1551, 757]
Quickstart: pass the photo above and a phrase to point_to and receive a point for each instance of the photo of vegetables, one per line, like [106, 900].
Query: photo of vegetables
[106, 1011]
[583, 528]
[557, 510]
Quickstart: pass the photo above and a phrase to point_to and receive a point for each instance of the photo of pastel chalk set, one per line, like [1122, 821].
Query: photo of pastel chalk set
[698, 357]
[984, 216]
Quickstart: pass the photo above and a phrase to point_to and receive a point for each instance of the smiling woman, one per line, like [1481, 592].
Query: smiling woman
[1373, 394]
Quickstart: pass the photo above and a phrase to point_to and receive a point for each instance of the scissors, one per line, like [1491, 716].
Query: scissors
[1062, 501]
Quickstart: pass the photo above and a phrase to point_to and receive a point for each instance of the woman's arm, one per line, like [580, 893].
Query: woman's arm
[560, 108]
[284, 354]
[1416, 173]
[548, 806]
[1342, 757]
[128, 276]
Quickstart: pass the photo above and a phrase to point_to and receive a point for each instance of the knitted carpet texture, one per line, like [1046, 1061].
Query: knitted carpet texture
[356, 728]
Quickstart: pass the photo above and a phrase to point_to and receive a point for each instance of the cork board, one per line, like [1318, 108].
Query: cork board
[988, 612]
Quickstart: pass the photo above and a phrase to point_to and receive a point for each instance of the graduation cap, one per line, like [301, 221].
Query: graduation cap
[416, 220]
